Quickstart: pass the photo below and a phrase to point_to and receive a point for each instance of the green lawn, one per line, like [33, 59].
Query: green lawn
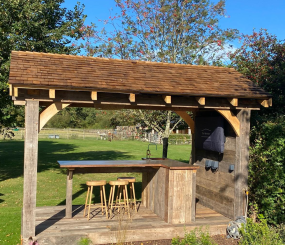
[51, 179]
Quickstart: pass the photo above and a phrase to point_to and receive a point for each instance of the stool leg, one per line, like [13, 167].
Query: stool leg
[91, 191]
[127, 199]
[134, 196]
[131, 196]
[110, 198]
[106, 208]
[113, 195]
[101, 196]
[86, 201]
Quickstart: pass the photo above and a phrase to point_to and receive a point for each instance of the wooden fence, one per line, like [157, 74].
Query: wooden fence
[102, 134]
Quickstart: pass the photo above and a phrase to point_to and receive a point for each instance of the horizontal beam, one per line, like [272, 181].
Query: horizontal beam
[148, 101]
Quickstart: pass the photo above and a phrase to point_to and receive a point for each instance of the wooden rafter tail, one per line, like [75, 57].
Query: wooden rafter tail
[265, 103]
[10, 90]
[167, 99]
[232, 119]
[52, 93]
[94, 95]
[233, 101]
[132, 98]
[15, 92]
[201, 100]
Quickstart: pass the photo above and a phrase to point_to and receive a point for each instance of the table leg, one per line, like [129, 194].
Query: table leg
[68, 209]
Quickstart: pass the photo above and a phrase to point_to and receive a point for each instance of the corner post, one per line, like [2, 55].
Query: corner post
[30, 168]
[242, 161]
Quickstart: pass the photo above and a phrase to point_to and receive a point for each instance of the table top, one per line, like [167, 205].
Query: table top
[167, 163]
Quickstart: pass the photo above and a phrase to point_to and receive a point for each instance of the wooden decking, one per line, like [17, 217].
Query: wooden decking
[53, 228]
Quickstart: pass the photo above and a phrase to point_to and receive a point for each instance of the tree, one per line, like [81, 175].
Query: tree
[173, 31]
[34, 25]
[261, 59]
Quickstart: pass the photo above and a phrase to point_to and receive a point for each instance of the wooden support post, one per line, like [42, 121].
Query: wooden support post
[167, 99]
[52, 93]
[94, 95]
[201, 100]
[242, 160]
[132, 98]
[30, 168]
[68, 209]
[233, 101]
[192, 159]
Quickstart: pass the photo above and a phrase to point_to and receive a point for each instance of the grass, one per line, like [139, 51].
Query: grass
[51, 180]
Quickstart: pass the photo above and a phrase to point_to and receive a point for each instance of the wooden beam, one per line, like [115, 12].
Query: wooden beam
[187, 119]
[242, 161]
[132, 98]
[49, 112]
[167, 99]
[94, 95]
[232, 119]
[52, 93]
[16, 102]
[30, 168]
[10, 90]
[265, 103]
[15, 92]
[233, 101]
[201, 100]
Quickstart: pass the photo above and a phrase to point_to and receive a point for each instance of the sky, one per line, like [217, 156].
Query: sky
[245, 15]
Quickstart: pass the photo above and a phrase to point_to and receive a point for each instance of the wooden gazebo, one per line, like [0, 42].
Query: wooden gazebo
[56, 81]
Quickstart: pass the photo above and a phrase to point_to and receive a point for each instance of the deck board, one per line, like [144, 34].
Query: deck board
[53, 228]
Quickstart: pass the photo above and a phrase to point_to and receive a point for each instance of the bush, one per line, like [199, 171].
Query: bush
[267, 171]
[195, 237]
[259, 234]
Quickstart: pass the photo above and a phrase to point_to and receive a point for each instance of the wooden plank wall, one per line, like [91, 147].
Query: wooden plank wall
[170, 194]
[216, 189]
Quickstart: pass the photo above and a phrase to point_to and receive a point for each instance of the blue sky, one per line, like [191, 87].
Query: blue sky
[244, 14]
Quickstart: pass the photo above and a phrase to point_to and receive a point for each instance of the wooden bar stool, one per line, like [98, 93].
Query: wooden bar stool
[122, 189]
[90, 185]
[132, 181]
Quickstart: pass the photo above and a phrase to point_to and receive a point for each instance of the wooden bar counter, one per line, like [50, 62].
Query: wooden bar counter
[168, 186]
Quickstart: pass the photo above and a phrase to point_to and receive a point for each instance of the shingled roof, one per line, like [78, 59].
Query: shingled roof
[128, 76]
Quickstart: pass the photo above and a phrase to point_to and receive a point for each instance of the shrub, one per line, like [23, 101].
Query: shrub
[259, 234]
[84, 241]
[267, 171]
[195, 237]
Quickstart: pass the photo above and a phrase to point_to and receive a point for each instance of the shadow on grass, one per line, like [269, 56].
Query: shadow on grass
[49, 153]
[1, 200]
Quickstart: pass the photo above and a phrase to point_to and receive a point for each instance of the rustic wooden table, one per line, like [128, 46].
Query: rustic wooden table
[168, 186]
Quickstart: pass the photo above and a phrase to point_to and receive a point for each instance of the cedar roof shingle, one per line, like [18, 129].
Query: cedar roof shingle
[113, 75]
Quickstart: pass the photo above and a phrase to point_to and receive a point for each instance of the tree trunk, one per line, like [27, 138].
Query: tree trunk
[165, 147]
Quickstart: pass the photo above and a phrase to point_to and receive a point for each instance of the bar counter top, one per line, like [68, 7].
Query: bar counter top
[155, 163]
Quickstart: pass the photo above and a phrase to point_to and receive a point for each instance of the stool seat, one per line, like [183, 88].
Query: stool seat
[118, 182]
[115, 202]
[130, 179]
[96, 182]
[90, 185]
